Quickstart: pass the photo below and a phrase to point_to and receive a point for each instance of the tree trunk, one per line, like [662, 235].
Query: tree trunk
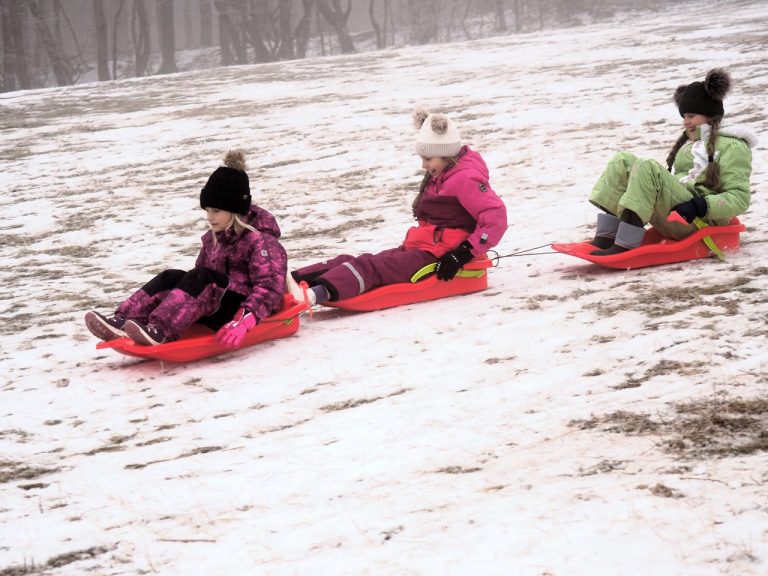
[167, 37]
[115, 27]
[189, 26]
[517, 7]
[380, 39]
[232, 47]
[303, 29]
[501, 20]
[142, 39]
[206, 23]
[285, 52]
[9, 51]
[337, 18]
[14, 9]
[423, 21]
[57, 11]
[61, 68]
[389, 23]
[102, 60]
[251, 27]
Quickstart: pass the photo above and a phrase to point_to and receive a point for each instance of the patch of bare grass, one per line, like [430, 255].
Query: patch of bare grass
[711, 427]
[12, 471]
[57, 561]
[661, 368]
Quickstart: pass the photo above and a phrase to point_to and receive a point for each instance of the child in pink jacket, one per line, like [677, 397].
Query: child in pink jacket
[458, 215]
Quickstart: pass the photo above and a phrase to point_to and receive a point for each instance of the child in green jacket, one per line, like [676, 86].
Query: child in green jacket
[707, 175]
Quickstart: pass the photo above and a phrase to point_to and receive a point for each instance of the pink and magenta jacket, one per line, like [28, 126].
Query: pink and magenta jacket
[459, 205]
[255, 262]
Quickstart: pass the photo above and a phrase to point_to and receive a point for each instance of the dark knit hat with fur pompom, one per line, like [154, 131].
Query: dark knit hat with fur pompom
[706, 97]
[228, 188]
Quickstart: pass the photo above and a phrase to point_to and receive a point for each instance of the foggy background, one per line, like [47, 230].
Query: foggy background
[64, 42]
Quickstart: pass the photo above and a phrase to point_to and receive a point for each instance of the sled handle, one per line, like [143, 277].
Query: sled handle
[708, 239]
[675, 217]
[430, 268]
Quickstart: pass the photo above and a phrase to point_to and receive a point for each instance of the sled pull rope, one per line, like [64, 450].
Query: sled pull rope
[524, 252]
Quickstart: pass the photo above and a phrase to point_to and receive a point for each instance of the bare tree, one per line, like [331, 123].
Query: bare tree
[517, 10]
[61, 66]
[102, 62]
[15, 62]
[285, 51]
[142, 42]
[233, 50]
[260, 27]
[115, 27]
[380, 38]
[189, 26]
[167, 37]
[206, 23]
[9, 51]
[423, 20]
[78, 61]
[337, 17]
[303, 28]
[501, 20]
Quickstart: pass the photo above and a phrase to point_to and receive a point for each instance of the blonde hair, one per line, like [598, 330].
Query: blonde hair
[238, 224]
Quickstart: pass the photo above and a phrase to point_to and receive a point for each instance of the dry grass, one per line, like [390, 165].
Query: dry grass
[713, 427]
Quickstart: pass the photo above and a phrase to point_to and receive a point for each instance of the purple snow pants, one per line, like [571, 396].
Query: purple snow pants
[174, 300]
[346, 276]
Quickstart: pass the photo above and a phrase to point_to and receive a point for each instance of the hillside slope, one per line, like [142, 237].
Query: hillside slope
[568, 421]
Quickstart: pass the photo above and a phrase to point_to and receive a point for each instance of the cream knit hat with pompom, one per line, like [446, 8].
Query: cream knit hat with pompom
[437, 136]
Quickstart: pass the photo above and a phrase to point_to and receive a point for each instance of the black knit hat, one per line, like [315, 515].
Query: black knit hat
[706, 97]
[228, 188]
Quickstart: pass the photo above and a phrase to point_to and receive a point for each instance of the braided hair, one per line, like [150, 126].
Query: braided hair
[712, 172]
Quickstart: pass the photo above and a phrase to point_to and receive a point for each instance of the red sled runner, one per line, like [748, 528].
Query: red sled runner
[656, 250]
[199, 341]
[472, 278]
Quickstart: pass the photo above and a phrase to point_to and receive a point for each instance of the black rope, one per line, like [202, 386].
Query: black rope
[524, 252]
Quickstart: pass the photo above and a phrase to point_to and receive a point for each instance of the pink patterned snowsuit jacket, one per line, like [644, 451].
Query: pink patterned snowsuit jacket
[239, 270]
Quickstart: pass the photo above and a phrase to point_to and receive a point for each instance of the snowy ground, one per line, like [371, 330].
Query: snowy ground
[567, 421]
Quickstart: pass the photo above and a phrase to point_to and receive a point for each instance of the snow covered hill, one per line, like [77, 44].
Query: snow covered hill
[568, 421]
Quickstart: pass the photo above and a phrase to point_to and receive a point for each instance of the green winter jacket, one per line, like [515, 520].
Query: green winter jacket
[733, 155]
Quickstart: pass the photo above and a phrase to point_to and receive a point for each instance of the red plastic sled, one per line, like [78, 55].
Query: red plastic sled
[199, 342]
[657, 250]
[429, 288]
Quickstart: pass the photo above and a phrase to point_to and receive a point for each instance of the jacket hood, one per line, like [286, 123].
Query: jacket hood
[741, 132]
[469, 161]
[262, 220]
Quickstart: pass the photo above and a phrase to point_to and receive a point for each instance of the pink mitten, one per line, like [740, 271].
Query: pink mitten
[233, 332]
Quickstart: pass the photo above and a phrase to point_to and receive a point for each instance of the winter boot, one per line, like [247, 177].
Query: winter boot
[628, 236]
[605, 232]
[145, 334]
[303, 293]
[105, 328]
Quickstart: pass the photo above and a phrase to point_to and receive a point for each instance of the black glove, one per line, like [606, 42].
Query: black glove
[696, 206]
[450, 263]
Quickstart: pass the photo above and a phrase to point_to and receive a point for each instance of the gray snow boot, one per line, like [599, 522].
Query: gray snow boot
[605, 232]
[628, 236]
